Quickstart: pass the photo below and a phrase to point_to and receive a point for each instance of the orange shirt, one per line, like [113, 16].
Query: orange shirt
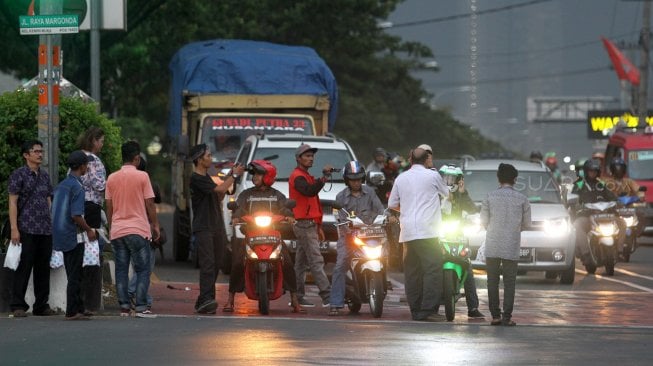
[128, 189]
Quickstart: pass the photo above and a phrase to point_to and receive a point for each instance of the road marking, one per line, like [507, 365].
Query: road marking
[633, 285]
[629, 273]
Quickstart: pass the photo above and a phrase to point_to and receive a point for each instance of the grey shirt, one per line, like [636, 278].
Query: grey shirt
[505, 213]
[367, 206]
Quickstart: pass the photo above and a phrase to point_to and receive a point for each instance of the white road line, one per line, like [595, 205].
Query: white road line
[633, 285]
[629, 273]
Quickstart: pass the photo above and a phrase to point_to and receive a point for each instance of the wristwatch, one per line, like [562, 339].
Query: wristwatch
[234, 176]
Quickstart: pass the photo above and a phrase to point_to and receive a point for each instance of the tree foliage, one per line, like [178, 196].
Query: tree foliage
[380, 101]
[18, 123]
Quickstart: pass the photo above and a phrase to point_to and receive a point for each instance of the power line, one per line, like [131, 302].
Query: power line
[467, 15]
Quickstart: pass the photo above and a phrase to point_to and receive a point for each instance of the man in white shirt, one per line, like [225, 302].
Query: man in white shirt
[416, 194]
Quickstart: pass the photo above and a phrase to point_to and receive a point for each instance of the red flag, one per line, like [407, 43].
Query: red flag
[30, 10]
[622, 66]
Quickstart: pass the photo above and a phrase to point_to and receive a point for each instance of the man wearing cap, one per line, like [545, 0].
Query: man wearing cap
[68, 227]
[380, 156]
[304, 189]
[208, 227]
[131, 215]
[416, 195]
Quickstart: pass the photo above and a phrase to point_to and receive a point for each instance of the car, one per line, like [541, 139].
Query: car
[280, 151]
[550, 244]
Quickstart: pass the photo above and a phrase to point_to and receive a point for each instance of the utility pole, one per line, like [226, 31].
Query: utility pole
[644, 41]
[96, 8]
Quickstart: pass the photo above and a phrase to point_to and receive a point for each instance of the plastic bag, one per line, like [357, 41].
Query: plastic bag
[480, 255]
[91, 253]
[13, 256]
[56, 259]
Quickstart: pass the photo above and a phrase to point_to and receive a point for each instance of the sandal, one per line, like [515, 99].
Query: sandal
[228, 308]
[496, 321]
[334, 312]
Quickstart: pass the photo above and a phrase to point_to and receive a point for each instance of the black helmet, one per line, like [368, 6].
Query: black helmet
[591, 164]
[536, 155]
[618, 166]
[354, 170]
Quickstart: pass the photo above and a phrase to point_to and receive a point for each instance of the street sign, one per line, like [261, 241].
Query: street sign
[48, 24]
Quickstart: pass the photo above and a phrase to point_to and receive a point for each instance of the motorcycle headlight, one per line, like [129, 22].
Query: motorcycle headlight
[449, 227]
[263, 221]
[464, 252]
[358, 241]
[630, 221]
[556, 227]
[606, 229]
[372, 252]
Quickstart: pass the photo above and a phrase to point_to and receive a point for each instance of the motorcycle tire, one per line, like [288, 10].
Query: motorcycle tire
[353, 301]
[450, 280]
[629, 249]
[567, 276]
[590, 268]
[376, 293]
[609, 262]
[262, 289]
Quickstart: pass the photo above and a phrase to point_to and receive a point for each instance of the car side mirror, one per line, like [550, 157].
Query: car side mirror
[290, 204]
[232, 205]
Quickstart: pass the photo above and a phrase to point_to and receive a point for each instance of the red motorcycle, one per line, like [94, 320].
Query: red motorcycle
[263, 259]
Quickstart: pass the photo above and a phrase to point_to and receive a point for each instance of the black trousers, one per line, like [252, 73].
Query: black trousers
[92, 275]
[508, 268]
[209, 251]
[237, 276]
[73, 261]
[35, 255]
[423, 276]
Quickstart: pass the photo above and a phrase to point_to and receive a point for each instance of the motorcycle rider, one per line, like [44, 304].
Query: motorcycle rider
[621, 185]
[380, 155]
[460, 201]
[591, 189]
[360, 200]
[261, 197]
[536, 156]
[551, 162]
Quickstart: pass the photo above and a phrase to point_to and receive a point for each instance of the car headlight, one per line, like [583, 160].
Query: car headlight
[449, 227]
[630, 221]
[263, 221]
[372, 252]
[606, 229]
[556, 227]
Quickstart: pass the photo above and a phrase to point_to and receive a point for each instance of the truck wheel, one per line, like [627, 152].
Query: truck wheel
[181, 230]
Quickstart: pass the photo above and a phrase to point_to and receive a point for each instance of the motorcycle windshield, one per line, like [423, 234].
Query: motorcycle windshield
[600, 206]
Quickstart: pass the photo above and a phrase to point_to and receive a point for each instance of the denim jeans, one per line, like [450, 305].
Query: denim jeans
[132, 280]
[135, 248]
[471, 297]
[339, 277]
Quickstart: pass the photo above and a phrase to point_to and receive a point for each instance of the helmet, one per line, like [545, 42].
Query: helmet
[618, 167]
[551, 161]
[536, 156]
[578, 167]
[379, 151]
[354, 170]
[451, 175]
[592, 164]
[264, 167]
[394, 162]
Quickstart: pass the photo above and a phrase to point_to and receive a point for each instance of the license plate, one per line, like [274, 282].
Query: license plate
[525, 255]
[371, 232]
[292, 245]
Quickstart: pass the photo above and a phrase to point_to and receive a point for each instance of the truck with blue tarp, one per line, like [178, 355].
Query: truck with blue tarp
[223, 91]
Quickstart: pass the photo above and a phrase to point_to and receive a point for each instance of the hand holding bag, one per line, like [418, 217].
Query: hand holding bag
[12, 259]
[480, 255]
[91, 253]
[56, 260]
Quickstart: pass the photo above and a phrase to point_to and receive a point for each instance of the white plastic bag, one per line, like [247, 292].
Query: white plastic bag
[56, 260]
[91, 253]
[480, 255]
[13, 256]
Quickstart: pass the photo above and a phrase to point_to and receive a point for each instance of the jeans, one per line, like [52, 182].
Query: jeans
[471, 297]
[35, 255]
[495, 267]
[209, 252]
[132, 280]
[308, 255]
[423, 276]
[137, 249]
[339, 277]
[73, 261]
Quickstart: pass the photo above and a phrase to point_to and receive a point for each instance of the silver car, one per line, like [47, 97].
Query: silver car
[549, 246]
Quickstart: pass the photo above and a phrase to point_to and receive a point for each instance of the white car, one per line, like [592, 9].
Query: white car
[280, 151]
[550, 245]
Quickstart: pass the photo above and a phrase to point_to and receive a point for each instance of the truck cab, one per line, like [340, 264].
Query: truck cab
[635, 146]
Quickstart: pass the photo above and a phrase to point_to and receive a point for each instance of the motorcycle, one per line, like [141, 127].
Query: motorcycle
[263, 259]
[602, 236]
[366, 278]
[629, 215]
[456, 265]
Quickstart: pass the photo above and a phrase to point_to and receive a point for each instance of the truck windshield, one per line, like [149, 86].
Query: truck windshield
[224, 134]
[284, 160]
[640, 164]
[539, 187]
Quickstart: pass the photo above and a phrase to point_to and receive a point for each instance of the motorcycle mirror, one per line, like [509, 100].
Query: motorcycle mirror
[336, 205]
[232, 205]
[375, 178]
[290, 203]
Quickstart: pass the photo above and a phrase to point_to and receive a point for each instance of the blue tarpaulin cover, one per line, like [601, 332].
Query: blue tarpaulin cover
[248, 67]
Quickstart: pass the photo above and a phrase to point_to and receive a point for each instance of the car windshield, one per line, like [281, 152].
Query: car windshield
[284, 160]
[539, 187]
[640, 164]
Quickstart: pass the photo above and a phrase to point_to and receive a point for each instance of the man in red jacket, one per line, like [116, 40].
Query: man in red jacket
[304, 189]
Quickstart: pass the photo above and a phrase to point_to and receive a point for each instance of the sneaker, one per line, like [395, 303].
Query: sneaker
[326, 303]
[305, 303]
[495, 321]
[19, 313]
[125, 312]
[208, 307]
[475, 314]
[145, 314]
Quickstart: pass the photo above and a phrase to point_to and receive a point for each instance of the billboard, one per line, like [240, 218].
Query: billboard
[601, 123]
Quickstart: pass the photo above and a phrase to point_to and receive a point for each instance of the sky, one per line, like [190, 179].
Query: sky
[520, 49]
